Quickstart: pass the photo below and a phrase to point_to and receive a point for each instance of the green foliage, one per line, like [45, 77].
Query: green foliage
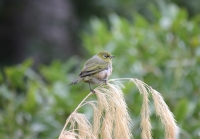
[36, 105]
[164, 53]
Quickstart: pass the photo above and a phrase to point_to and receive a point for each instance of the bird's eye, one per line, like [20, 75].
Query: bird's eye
[105, 56]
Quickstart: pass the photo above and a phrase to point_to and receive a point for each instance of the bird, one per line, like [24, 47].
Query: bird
[96, 70]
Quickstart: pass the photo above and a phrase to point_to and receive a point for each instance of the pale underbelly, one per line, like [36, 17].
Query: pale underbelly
[100, 77]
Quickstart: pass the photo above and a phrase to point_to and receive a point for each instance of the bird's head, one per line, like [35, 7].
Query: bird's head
[105, 56]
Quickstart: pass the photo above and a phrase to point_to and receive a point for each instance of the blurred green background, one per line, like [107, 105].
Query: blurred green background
[44, 44]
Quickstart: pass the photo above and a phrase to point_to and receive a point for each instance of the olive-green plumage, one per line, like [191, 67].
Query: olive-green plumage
[97, 69]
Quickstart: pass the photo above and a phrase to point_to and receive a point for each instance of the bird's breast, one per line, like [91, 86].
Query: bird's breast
[104, 74]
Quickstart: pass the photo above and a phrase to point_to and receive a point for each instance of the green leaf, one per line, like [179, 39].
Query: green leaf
[181, 110]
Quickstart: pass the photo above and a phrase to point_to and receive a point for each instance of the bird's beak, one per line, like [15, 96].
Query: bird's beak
[112, 57]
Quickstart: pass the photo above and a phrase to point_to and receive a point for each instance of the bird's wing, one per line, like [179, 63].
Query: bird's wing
[92, 67]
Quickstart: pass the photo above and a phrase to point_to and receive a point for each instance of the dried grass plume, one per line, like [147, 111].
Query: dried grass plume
[111, 119]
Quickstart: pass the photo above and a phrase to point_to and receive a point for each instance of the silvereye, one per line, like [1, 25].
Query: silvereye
[96, 70]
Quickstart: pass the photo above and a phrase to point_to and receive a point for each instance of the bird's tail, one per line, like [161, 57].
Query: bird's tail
[78, 80]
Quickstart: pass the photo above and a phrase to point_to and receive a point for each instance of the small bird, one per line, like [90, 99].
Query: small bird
[96, 70]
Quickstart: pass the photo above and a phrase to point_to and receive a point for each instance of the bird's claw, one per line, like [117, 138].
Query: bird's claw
[105, 81]
[92, 91]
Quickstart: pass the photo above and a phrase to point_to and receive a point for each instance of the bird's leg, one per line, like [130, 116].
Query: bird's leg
[105, 80]
[91, 88]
